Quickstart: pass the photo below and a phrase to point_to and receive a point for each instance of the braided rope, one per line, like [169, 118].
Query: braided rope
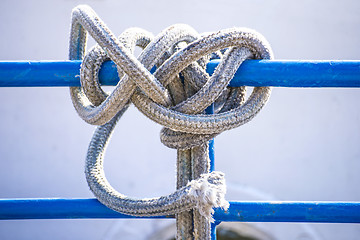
[175, 96]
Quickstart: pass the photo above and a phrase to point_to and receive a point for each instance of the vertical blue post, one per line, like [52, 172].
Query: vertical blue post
[213, 231]
[212, 155]
[210, 110]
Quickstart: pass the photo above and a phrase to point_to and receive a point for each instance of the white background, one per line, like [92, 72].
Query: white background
[304, 145]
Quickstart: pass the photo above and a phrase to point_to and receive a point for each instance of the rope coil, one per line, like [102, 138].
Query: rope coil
[175, 96]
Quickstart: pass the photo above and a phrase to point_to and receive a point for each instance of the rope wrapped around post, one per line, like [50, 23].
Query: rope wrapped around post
[175, 96]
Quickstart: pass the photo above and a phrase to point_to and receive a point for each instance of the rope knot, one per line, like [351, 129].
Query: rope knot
[175, 96]
[179, 91]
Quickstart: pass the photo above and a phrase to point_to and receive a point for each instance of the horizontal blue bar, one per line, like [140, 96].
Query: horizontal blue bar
[281, 211]
[279, 73]
[55, 208]
[273, 211]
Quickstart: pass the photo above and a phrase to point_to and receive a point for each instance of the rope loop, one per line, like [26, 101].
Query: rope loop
[203, 193]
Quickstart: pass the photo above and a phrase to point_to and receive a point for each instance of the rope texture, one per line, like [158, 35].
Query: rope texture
[175, 96]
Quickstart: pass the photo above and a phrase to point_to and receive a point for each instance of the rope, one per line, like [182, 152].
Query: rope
[175, 96]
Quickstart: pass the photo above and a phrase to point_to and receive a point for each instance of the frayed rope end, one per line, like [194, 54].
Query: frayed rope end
[209, 192]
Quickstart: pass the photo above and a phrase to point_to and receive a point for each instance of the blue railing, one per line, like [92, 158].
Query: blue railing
[251, 73]
[273, 211]
[279, 73]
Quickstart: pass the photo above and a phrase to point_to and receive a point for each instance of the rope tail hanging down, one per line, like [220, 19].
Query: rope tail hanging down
[175, 96]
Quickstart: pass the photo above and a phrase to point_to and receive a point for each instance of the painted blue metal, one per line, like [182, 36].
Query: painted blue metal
[213, 229]
[210, 110]
[53, 208]
[281, 211]
[39, 73]
[289, 73]
[325, 212]
[278, 73]
[212, 154]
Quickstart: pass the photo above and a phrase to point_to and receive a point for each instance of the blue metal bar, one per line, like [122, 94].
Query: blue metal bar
[280, 73]
[210, 110]
[212, 154]
[325, 212]
[54, 208]
[213, 229]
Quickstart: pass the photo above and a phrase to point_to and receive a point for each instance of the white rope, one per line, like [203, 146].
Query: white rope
[175, 96]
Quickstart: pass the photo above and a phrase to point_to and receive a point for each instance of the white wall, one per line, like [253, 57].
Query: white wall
[303, 146]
